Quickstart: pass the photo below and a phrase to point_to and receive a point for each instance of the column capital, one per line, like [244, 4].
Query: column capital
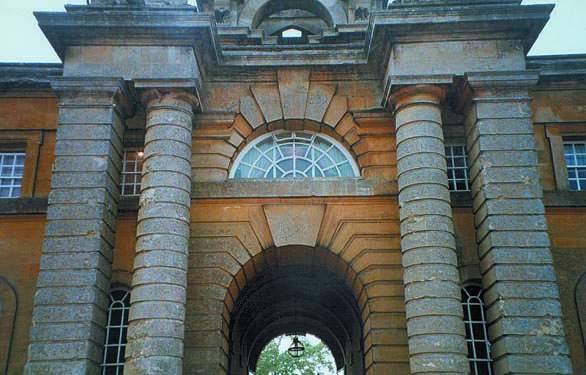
[115, 90]
[168, 96]
[418, 93]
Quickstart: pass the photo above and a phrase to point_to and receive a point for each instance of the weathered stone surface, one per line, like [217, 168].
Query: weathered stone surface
[251, 112]
[516, 263]
[160, 267]
[432, 282]
[295, 224]
[268, 98]
[320, 96]
[293, 90]
[336, 110]
[74, 280]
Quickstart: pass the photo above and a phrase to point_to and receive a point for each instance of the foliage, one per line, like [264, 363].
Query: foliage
[315, 360]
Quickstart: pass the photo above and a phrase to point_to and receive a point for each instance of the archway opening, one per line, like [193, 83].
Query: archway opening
[316, 357]
[296, 294]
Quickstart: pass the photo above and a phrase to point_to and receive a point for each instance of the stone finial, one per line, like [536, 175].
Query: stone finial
[361, 14]
[222, 15]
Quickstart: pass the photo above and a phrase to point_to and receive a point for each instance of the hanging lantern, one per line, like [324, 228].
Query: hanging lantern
[296, 349]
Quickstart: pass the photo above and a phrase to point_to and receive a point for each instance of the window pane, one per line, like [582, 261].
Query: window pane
[575, 155]
[478, 344]
[457, 168]
[11, 173]
[116, 330]
[131, 172]
[294, 155]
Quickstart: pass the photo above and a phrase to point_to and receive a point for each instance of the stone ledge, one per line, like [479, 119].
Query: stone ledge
[283, 189]
[550, 199]
[23, 206]
[294, 188]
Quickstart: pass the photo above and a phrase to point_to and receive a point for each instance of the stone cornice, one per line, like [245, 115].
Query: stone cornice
[560, 71]
[114, 88]
[83, 25]
[461, 22]
[27, 76]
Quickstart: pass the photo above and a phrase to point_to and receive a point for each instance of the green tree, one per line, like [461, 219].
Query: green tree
[274, 361]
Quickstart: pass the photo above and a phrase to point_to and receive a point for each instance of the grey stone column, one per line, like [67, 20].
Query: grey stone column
[435, 325]
[71, 301]
[157, 310]
[521, 293]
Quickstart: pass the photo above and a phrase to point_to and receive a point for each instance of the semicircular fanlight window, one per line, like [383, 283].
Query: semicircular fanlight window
[294, 154]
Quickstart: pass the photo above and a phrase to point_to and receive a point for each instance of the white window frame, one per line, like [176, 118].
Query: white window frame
[334, 143]
[131, 188]
[16, 180]
[122, 304]
[575, 166]
[451, 166]
[475, 299]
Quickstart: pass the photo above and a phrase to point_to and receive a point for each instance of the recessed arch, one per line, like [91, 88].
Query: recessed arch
[255, 11]
[297, 290]
[235, 249]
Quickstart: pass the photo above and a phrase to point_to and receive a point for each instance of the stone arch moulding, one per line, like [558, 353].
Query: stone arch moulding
[8, 313]
[255, 11]
[293, 102]
[234, 247]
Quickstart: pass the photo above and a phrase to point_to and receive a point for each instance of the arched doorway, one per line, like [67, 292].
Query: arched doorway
[296, 292]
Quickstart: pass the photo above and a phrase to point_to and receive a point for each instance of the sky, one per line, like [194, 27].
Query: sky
[21, 40]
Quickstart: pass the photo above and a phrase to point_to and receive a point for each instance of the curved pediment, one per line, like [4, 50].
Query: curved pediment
[333, 12]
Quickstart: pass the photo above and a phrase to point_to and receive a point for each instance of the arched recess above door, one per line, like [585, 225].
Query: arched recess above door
[333, 12]
[295, 101]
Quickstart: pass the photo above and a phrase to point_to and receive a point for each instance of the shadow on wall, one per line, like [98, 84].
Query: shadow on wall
[8, 311]
[580, 299]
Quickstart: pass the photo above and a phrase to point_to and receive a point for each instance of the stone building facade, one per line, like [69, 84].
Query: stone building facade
[400, 180]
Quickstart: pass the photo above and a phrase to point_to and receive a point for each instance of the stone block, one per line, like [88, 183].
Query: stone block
[166, 243]
[420, 254]
[420, 115]
[293, 90]
[294, 224]
[431, 289]
[268, 99]
[154, 275]
[336, 110]
[68, 313]
[168, 147]
[75, 278]
[148, 226]
[157, 309]
[415, 129]
[430, 343]
[148, 292]
[319, 98]
[157, 328]
[431, 307]
[71, 331]
[428, 363]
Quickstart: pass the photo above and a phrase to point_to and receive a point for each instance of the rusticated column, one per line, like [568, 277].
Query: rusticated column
[157, 310]
[521, 293]
[435, 325]
[71, 301]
